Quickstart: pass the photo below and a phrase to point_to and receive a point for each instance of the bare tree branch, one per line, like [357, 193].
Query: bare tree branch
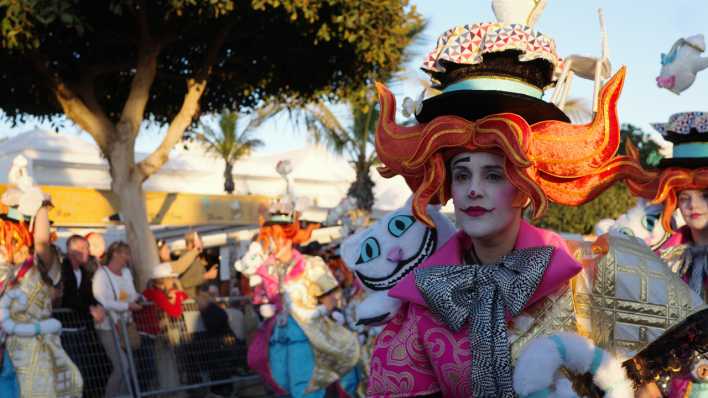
[190, 107]
[91, 118]
[145, 71]
[134, 108]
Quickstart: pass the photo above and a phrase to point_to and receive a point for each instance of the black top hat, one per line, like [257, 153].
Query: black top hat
[489, 68]
[688, 131]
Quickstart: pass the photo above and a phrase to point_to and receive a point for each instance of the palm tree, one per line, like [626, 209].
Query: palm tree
[230, 144]
[356, 140]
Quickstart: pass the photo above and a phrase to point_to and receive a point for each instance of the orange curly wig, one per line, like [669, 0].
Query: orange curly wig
[271, 234]
[666, 184]
[14, 236]
[549, 160]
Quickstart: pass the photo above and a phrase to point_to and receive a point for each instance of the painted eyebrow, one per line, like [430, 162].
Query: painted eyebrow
[492, 167]
[465, 159]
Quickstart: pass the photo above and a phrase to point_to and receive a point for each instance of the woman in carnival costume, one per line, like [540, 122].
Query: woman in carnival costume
[681, 182]
[493, 146]
[301, 351]
[28, 269]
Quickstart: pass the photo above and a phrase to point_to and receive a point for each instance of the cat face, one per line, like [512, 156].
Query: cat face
[384, 253]
[643, 221]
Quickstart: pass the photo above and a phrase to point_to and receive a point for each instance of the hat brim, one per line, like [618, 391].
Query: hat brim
[676, 138]
[684, 163]
[476, 104]
[689, 334]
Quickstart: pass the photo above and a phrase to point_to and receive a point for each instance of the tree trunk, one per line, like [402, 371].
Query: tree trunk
[127, 185]
[229, 185]
[362, 188]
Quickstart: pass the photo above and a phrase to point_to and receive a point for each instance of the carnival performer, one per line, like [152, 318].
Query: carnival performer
[682, 182]
[493, 146]
[28, 270]
[301, 351]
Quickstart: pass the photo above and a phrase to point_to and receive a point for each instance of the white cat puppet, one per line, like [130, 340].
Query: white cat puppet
[249, 263]
[643, 221]
[388, 250]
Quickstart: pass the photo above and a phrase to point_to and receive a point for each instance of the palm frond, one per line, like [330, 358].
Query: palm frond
[325, 128]
[226, 141]
[263, 114]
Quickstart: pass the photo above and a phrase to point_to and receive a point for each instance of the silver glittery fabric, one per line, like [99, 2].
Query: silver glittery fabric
[481, 294]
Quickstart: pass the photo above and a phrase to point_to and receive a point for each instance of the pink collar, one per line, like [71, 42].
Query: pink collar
[562, 267]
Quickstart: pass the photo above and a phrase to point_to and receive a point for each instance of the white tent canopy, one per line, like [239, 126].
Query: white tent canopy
[319, 176]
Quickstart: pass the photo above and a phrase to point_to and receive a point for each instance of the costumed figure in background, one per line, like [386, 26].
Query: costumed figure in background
[28, 270]
[301, 351]
[682, 182]
[493, 146]
[351, 217]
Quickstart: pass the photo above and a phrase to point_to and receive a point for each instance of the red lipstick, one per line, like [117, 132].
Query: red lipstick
[694, 216]
[476, 211]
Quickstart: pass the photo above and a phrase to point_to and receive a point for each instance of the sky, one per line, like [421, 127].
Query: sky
[638, 33]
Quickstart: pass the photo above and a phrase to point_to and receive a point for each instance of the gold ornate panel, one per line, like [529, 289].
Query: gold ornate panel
[626, 296]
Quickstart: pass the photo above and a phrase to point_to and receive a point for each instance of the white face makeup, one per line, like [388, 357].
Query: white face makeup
[482, 195]
[693, 204]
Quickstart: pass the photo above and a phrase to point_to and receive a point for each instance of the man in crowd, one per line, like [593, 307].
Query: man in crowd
[76, 281]
[78, 297]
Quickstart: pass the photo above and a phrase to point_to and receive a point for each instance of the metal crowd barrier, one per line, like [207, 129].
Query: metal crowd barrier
[185, 356]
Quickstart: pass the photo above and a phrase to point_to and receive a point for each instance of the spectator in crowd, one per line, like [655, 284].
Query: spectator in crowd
[77, 296]
[97, 249]
[193, 274]
[163, 291]
[113, 287]
[76, 279]
[163, 321]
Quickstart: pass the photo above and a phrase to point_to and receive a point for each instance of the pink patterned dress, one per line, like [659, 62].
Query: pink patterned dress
[418, 354]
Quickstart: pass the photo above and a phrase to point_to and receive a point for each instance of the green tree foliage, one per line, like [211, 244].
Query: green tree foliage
[611, 203]
[109, 65]
[581, 220]
[294, 50]
[649, 149]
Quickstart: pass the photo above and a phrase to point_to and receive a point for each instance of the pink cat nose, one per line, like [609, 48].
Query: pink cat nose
[395, 254]
[666, 82]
